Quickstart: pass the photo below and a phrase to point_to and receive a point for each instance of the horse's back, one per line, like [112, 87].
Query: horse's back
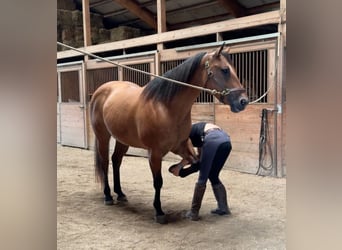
[116, 91]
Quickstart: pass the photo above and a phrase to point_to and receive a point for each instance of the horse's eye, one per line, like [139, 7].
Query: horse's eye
[225, 71]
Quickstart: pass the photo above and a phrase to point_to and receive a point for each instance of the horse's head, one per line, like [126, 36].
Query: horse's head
[222, 77]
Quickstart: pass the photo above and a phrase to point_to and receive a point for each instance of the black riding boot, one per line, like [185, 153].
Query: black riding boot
[221, 198]
[192, 214]
[184, 172]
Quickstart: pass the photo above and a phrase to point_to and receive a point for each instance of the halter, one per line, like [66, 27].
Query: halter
[224, 92]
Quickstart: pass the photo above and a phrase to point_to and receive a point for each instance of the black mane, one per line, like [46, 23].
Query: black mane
[163, 90]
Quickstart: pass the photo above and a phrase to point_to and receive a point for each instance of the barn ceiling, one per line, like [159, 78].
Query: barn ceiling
[179, 13]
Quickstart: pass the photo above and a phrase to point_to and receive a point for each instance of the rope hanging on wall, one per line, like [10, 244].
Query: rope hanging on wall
[265, 148]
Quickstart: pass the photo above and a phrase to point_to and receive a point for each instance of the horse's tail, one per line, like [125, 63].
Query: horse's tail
[99, 173]
[101, 159]
[102, 137]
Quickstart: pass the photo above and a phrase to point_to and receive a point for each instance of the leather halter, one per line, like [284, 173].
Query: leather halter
[224, 92]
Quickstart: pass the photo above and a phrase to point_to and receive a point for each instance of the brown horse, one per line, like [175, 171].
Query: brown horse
[157, 117]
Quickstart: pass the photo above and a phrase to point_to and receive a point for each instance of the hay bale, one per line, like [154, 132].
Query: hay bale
[77, 18]
[99, 35]
[78, 34]
[67, 33]
[66, 5]
[123, 32]
[67, 42]
[96, 20]
[104, 35]
[64, 18]
[94, 35]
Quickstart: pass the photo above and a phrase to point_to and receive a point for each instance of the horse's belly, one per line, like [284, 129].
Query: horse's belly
[128, 140]
[119, 115]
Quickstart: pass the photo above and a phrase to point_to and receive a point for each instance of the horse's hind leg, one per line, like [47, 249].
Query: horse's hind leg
[119, 151]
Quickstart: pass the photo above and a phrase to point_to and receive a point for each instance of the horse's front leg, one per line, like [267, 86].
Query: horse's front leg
[186, 151]
[155, 160]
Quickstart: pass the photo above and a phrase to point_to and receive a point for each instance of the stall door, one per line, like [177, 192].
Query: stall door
[71, 107]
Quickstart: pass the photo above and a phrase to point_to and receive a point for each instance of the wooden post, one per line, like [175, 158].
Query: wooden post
[161, 20]
[280, 146]
[86, 25]
[157, 63]
[86, 42]
[219, 37]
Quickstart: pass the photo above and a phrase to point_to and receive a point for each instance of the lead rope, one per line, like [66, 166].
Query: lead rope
[210, 91]
[264, 146]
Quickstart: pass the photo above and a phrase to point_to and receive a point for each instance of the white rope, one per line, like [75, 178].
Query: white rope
[210, 91]
[275, 77]
[255, 101]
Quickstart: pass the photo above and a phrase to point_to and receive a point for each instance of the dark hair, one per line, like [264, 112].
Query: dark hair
[163, 90]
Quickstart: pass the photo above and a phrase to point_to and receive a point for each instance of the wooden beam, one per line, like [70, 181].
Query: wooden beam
[283, 11]
[192, 7]
[123, 11]
[197, 22]
[142, 13]
[86, 23]
[263, 8]
[99, 3]
[161, 16]
[280, 94]
[233, 7]
[272, 17]
[161, 20]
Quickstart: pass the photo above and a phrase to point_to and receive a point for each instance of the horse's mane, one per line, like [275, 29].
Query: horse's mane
[163, 90]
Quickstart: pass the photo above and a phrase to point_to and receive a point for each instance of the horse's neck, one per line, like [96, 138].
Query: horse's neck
[185, 99]
[198, 79]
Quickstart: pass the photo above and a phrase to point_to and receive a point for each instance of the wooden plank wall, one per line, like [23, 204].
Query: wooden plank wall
[203, 112]
[72, 125]
[58, 125]
[244, 131]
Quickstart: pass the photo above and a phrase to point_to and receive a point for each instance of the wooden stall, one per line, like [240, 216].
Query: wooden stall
[259, 61]
[71, 103]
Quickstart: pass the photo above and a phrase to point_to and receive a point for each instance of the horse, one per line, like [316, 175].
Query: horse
[157, 117]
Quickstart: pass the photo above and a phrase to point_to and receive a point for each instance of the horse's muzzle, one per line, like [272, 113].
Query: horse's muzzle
[239, 104]
[244, 102]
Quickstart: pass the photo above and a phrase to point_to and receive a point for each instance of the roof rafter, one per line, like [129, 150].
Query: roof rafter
[143, 13]
[233, 7]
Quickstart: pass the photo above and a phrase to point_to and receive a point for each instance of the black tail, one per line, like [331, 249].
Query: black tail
[99, 171]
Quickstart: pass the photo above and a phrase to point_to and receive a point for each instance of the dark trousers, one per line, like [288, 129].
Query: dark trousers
[215, 151]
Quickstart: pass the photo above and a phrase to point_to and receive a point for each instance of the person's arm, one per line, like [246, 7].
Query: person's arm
[185, 162]
[199, 150]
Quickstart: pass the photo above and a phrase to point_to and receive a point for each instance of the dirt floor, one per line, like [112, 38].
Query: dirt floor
[258, 207]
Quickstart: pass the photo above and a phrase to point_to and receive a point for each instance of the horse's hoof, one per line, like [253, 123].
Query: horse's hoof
[161, 219]
[109, 202]
[122, 198]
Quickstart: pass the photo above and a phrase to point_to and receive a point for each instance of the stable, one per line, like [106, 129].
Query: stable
[155, 36]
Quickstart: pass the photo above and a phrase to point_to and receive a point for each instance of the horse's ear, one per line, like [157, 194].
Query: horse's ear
[218, 51]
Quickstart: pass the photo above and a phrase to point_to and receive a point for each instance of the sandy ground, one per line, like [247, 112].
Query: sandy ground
[258, 206]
